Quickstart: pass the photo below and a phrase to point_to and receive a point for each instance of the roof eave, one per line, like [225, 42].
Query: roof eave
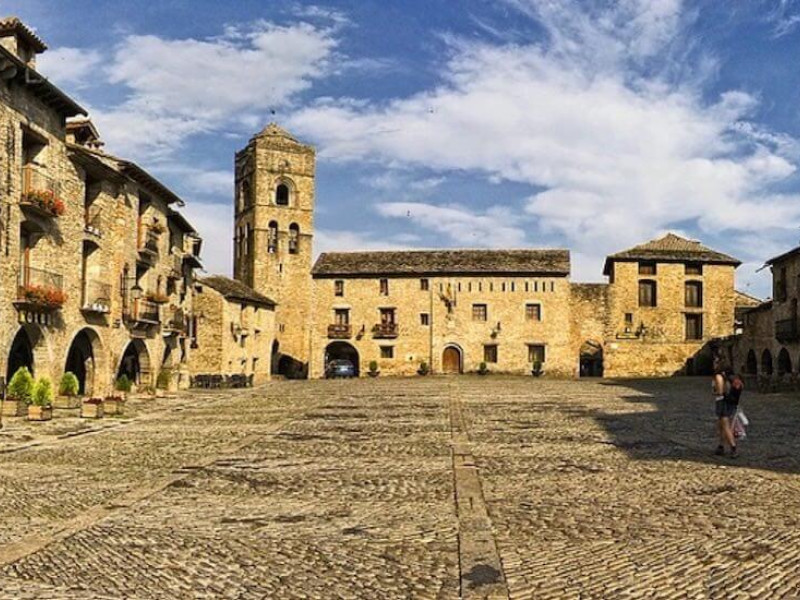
[149, 182]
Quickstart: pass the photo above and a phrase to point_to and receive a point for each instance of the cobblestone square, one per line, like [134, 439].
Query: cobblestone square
[406, 488]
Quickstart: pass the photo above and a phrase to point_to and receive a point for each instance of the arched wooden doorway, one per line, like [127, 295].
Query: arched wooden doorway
[591, 359]
[21, 354]
[452, 360]
[342, 351]
[82, 360]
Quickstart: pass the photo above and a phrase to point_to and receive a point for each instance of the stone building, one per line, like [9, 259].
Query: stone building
[234, 330]
[452, 309]
[81, 289]
[274, 213]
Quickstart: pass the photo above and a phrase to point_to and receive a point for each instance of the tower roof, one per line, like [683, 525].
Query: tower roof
[671, 248]
[275, 131]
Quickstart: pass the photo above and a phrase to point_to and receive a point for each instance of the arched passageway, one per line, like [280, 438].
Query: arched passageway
[135, 363]
[21, 354]
[82, 358]
[751, 365]
[342, 351]
[766, 362]
[452, 360]
[784, 362]
[591, 359]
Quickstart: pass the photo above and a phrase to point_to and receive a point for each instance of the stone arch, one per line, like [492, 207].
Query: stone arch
[784, 362]
[294, 238]
[766, 362]
[284, 191]
[591, 359]
[135, 363]
[452, 359]
[751, 364]
[342, 351]
[28, 349]
[86, 360]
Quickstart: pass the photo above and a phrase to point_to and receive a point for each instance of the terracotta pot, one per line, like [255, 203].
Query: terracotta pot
[67, 402]
[113, 407]
[40, 413]
[91, 411]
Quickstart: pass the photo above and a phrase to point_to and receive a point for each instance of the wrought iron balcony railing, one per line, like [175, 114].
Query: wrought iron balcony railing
[386, 330]
[40, 289]
[40, 192]
[97, 297]
[340, 331]
[144, 311]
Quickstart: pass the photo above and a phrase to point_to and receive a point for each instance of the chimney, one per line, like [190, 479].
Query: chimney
[20, 40]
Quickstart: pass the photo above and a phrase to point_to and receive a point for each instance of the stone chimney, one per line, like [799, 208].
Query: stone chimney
[20, 40]
[81, 131]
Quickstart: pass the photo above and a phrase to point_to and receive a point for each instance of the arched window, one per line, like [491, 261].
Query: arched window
[272, 237]
[766, 362]
[282, 195]
[752, 363]
[294, 238]
[245, 195]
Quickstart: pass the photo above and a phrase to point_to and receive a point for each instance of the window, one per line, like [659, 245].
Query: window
[536, 353]
[533, 312]
[384, 287]
[628, 322]
[387, 351]
[424, 319]
[272, 237]
[479, 312]
[694, 268]
[780, 285]
[387, 316]
[294, 238]
[647, 268]
[341, 316]
[694, 294]
[694, 327]
[282, 195]
[338, 287]
[490, 353]
[424, 285]
[647, 293]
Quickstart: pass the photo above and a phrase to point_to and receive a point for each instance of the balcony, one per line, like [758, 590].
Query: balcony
[176, 322]
[191, 259]
[97, 298]
[786, 330]
[340, 331]
[147, 242]
[40, 193]
[385, 331]
[144, 312]
[40, 290]
[92, 225]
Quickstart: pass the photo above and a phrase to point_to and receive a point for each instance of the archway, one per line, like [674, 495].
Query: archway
[752, 363]
[784, 362]
[452, 360]
[591, 359]
[766, 362]
[21, 354]
[342, 351]
[135, 363]
[275, 358]
[82, 360]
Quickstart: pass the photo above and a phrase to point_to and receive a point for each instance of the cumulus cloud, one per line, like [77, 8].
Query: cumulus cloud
[615, 150]
[74, 67]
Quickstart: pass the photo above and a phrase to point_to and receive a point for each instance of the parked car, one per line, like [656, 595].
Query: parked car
[340, 368]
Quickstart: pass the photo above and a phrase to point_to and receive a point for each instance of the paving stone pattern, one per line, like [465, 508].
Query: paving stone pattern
[433, 488]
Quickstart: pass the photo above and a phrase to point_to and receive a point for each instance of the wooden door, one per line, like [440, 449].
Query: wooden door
[451, 360]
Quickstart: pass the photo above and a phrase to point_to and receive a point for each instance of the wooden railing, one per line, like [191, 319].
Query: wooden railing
[386, 330]
[340, 331]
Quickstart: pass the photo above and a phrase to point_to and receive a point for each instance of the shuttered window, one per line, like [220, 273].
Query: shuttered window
[694, 327]
[647, 293]
[694, 294]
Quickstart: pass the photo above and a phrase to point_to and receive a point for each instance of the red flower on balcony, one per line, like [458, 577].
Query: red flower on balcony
[47, 297]
[45, 200]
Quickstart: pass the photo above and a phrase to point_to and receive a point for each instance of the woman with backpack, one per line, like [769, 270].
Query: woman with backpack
[727, 387]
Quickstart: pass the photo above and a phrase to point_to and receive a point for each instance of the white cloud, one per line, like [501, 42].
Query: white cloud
[214, 223]
[327, 240]
[616, 149]
[74, 67]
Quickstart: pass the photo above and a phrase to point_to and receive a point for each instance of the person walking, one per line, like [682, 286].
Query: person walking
[727, 388]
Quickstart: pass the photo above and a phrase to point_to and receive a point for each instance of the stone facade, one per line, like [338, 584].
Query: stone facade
[80, 288]
[234, 332]
[274, 212]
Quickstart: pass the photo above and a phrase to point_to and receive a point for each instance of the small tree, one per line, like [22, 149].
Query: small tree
[483, 369]
[69, 385]
[20, 388]
[123, 384]
[43, 392]
[423, 368]
[373, 367]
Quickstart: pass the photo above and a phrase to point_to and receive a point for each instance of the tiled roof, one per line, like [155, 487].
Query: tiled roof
[236, 290]
[274, 130]
[14, 25]
[745, 300]
[671, 248]
[443, 262]
[784, 256]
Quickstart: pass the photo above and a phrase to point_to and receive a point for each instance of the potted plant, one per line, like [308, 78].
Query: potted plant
[19, 393]
[41, 408]
[536, 370]
[114, 405]
[163, 381]
[423, 368]
[483, 369]
[123, 385]
[373, 368]
[92, 408]
[67, 392]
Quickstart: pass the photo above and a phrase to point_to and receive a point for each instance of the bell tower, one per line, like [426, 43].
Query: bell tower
[274, 226]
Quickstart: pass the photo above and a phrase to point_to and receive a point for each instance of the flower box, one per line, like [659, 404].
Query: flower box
[42, 296]
[45, 202]
[114, 405]
[92, 409]
[67, 402]
[40, 413]
[14, 408]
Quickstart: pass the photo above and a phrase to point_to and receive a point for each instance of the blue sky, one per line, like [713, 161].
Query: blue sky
[508, 123]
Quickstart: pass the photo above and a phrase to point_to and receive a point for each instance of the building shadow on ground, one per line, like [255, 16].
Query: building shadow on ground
[677, 422]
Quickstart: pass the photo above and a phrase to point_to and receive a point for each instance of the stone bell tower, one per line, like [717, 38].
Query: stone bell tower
[274, 225]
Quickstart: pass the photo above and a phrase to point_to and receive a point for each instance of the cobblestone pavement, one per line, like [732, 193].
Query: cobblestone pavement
[417, 488]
